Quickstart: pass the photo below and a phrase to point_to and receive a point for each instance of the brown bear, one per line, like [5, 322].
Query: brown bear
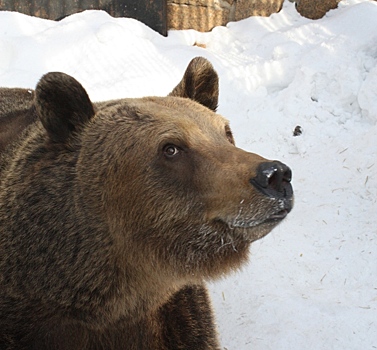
[113, 215]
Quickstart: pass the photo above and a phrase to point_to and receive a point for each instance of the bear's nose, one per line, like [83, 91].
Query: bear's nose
[273, 179]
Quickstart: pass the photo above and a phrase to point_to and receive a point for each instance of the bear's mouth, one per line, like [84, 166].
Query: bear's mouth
[280, 215]
[274, 218]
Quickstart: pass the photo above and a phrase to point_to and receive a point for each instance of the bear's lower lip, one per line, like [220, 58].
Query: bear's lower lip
[280, 215]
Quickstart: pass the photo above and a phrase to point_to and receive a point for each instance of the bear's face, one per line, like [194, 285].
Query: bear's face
[173, 185]
[164, 176]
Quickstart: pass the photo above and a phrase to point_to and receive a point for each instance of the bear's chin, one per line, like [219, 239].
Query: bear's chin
[256, 231]
[223, 248]
[252, 230]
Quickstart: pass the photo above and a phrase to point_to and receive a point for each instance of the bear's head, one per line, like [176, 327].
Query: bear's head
[163, 175]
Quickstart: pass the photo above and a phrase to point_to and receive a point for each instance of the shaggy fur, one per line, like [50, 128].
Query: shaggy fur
[15, 114]
[112, 215]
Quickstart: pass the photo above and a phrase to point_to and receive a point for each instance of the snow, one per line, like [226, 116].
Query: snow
[312, 282]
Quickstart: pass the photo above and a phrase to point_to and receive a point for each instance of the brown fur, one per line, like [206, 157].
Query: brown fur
[15, 114]
[113, 215]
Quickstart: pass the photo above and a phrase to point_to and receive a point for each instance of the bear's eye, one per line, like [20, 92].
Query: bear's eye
[229, 134]
[171, 150]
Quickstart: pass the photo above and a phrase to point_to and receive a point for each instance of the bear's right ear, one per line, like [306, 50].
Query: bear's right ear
[199, 83]
[63, 105]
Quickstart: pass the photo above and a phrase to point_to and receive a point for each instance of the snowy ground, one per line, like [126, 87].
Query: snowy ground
[312, 283]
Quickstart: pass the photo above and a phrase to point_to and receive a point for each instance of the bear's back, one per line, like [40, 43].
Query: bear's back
[16, 113]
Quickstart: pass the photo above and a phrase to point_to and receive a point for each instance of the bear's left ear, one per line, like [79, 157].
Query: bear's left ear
[63, 105]
[199, 83]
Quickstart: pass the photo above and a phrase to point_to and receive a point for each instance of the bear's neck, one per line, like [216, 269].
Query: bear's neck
[122, 283]
[144, 291]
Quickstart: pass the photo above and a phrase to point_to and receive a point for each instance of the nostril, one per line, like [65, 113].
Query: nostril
[273, 179]
[266, 176]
